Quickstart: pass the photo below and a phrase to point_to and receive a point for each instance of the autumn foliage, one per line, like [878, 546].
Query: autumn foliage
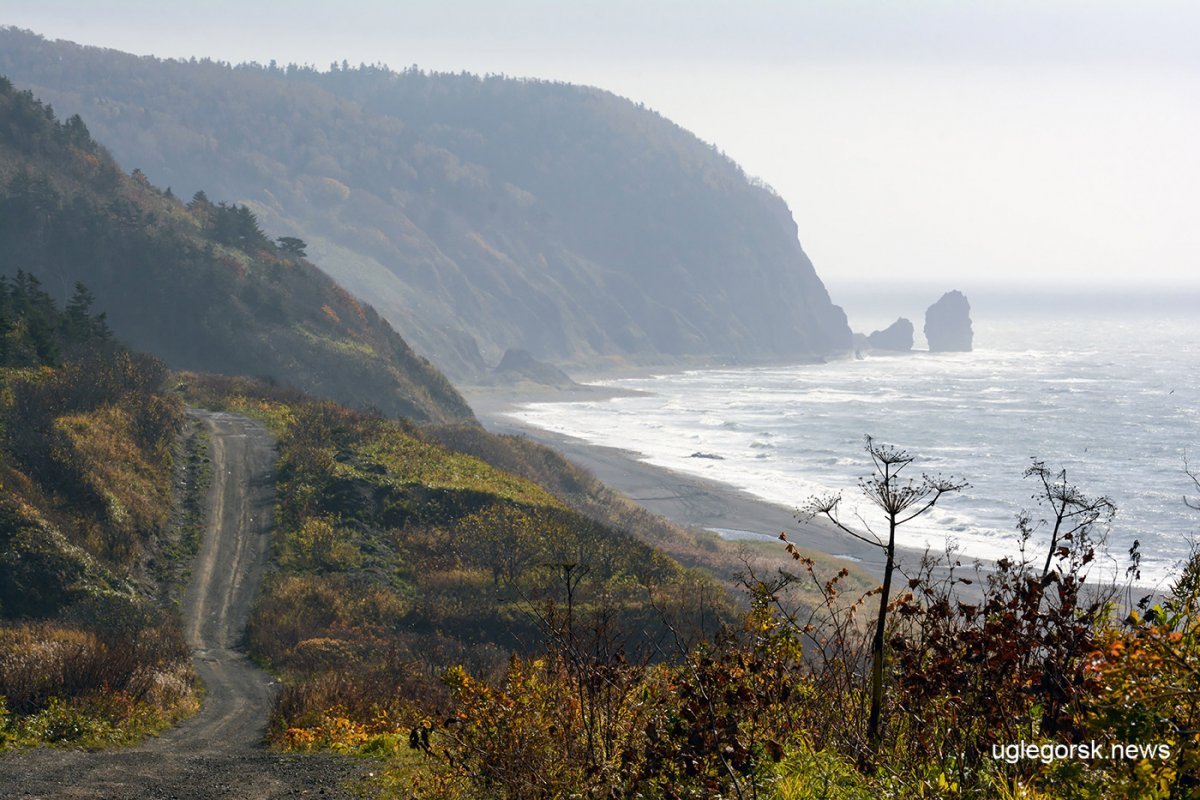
[1030, 650]
[495, 643]
[89, 436]
[398, 558]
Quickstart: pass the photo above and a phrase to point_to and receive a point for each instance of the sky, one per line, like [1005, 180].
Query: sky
[952, 143]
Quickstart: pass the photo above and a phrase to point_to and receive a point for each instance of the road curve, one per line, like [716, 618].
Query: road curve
[218, 753]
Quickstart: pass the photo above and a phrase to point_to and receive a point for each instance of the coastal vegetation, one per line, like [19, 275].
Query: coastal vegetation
[1022, 680]
[397, 559]
[900, 500]
[473, 609]
[487, 638]
[461, 622]
[88, 450]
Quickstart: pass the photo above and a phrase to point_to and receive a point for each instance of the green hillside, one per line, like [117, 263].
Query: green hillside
[199, 285]
[477, 214]
[89, 548]
[397, 558]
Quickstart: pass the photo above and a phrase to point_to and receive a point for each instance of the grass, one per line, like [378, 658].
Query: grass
[407, 459]
[342, 346]
[94, 722]
[134, 486]
[580, 491]
[71, 686]
[87, 658]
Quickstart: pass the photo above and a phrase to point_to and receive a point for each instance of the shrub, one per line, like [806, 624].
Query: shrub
[1148, 674]
[108, 684]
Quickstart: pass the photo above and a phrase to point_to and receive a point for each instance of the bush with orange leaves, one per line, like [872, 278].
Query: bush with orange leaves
[581, 724]
[524, 738]
[1148, 671]
[338, 731]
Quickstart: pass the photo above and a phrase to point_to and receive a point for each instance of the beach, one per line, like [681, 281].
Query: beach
[688, 500]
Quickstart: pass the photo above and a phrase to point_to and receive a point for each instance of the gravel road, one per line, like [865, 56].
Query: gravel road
[219, 752]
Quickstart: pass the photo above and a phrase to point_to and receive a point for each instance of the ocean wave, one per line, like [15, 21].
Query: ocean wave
[981, 416]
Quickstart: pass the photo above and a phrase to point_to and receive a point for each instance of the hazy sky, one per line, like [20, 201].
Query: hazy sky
[948, 142]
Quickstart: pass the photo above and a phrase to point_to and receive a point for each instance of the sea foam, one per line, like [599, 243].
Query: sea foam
[1113, 404]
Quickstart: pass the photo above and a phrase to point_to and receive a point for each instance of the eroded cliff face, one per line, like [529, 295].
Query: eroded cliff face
[948, 324]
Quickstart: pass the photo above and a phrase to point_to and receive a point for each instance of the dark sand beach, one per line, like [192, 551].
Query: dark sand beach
[689, 500]
[686, 499]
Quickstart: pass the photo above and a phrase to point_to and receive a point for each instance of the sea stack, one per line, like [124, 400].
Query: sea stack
[948, 324]
[898, 336]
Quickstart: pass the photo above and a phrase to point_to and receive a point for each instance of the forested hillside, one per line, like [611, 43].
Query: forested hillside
[200, 285]
[478, 214]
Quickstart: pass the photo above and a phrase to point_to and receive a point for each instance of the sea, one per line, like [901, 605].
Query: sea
[1103, 385]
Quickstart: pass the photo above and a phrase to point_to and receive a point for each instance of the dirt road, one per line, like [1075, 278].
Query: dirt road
[217, 753]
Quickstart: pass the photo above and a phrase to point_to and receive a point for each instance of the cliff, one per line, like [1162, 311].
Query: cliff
[476, 214]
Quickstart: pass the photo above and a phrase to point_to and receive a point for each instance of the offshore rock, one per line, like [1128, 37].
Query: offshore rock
[898, 336]
[948, 324]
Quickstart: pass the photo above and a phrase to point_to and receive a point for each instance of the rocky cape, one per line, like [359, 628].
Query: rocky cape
[897, 337]
[476, 214]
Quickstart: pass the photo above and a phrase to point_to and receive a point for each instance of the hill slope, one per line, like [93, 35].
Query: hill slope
[200, 286]
[90, 465]
[478, 214]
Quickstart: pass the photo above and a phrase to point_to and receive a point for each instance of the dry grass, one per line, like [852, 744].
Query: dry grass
[134, 487]
[71, 684]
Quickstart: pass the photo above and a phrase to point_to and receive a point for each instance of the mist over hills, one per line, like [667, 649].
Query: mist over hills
[477, 214]
[200, 286]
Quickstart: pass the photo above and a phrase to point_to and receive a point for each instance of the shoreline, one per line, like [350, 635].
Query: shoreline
[698, 502]
[689, 500]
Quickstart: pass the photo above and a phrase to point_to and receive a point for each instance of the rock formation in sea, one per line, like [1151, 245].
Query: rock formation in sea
[948, 324]
[897, 336]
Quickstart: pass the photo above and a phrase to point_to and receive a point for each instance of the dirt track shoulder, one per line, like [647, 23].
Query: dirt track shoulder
[218, 753]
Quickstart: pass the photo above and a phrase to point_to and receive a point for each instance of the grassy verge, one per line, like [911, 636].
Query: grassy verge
[170, 562]
[109, 673]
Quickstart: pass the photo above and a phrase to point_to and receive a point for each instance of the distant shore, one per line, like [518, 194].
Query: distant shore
[689, 500]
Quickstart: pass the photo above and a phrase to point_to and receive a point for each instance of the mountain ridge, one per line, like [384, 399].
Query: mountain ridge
[200, 286]
[478, 214]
